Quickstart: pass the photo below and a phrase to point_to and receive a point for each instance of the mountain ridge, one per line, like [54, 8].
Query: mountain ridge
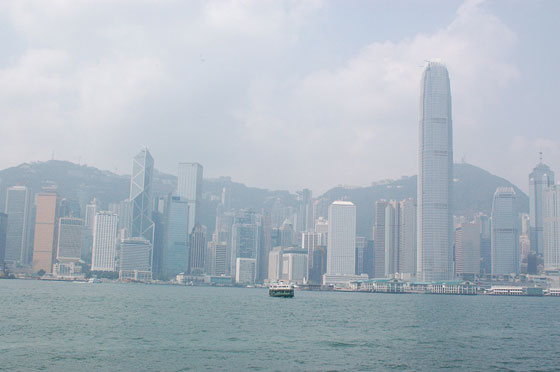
[473, 190]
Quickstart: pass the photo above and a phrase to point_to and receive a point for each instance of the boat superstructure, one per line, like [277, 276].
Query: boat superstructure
[281, 290]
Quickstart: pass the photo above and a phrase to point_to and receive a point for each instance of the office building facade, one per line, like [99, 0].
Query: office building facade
[435, 176]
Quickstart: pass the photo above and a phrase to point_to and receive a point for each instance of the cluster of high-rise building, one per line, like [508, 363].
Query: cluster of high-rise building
[149, 236]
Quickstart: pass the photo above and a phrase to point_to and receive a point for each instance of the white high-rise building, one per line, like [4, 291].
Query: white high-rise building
[341, 251]
[392, 237]
[294, 267]
[540, 179]
[435, 176]
[551, 214]
[407, 237]
[189, 187]
[505, 237]
[18, 209]
[245, 270]
[104, 251]
[275, 264]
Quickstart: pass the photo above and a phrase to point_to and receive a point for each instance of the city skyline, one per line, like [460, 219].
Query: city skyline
[351, 90]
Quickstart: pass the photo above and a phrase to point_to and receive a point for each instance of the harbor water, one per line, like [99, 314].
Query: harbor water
[63, 326]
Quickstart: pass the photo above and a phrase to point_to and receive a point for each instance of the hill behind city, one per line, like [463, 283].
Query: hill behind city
[473, 190]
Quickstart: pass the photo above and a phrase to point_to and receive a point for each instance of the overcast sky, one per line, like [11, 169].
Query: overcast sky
[276, 94]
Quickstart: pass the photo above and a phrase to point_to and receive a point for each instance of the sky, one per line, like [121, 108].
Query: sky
[277, 94]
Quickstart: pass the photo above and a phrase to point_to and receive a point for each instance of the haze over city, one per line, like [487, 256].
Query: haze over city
[322, 93]
[246, 185]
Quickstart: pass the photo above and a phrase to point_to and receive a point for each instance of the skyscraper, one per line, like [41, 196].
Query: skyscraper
[467, 249]
[198, 250]
[135, 259]
[69, 239]
[3, 231]
[141, 196]
[379, 239]
[392, 237]
[551, 222]
[176, 247]
[361, 245]
[46, 231]
[18, 207]
[407, 237]
[539, 179]
[341, 251]
[435, 176]
[189, 186]
[219, 264]
[104, 251]
[505, 238]
[244, 237]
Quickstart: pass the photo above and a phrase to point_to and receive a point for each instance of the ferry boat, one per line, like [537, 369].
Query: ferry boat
[94, 280]
[281, 290]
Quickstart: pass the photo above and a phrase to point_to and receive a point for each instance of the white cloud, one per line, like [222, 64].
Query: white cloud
[359, 123]
[218, 82]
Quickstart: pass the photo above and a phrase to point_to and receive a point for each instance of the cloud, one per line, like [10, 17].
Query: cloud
[224, 83]
[358, 123]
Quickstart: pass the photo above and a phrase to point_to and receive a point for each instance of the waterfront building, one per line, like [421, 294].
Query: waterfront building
[219, 264]
[189, 187]
[540, 179]
[141, 196]
[381, 285]
[341, 251]
[435, 176]
[244, 237]
[69, 239]
[551, 224]
[505, 255]
[467, 249]
[342, 281]
[3, 233]
[361, 244]
[379, 239]
[18, 208]
[368, 258]
[392, 235]
[407, 237]
[135, 259]
[198, 250]
[485, 243]
[265, 245]
[294, 266]
[275, 264]
[104, 250]
[176, 252]
[245, 270]
[46, 231]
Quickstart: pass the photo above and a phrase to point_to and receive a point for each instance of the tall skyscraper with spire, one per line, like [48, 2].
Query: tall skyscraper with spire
[540, 179]
[141, 196]
[435, 176]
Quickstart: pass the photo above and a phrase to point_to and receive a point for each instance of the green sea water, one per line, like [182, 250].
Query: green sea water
[60, 326]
